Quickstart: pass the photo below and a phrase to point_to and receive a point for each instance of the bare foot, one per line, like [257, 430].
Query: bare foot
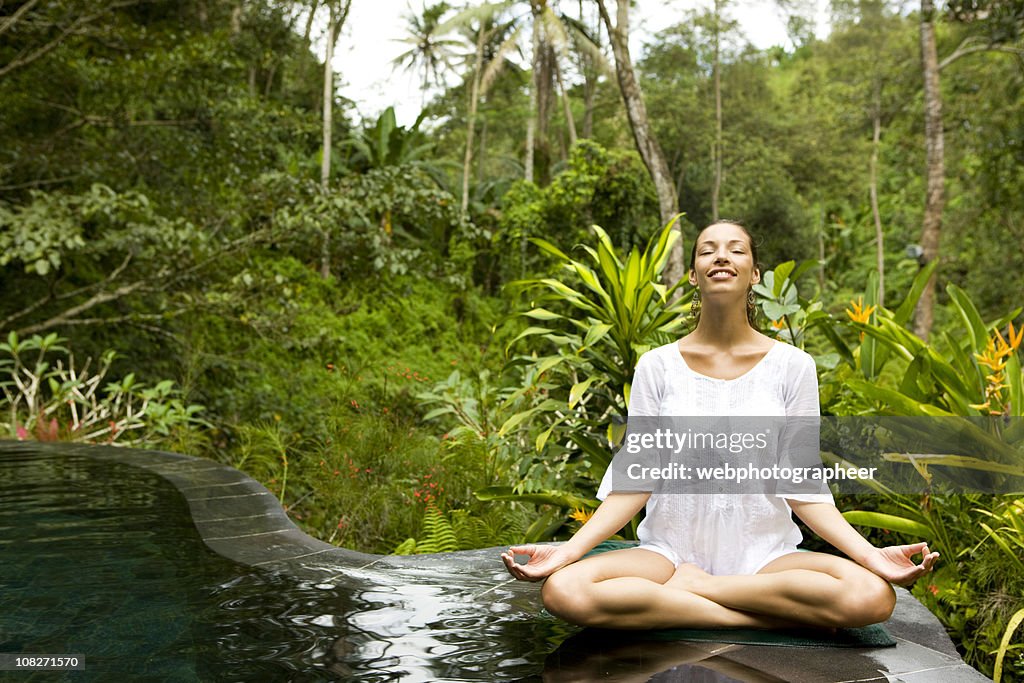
[688, 577]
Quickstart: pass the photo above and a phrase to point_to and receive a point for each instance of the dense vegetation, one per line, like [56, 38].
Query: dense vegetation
[394, 328]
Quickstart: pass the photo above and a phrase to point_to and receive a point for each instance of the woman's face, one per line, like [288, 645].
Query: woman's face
[723, 261]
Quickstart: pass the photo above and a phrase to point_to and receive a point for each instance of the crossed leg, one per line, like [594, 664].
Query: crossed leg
[640, 589]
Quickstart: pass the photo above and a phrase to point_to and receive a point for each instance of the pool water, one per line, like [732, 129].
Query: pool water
[102, 560]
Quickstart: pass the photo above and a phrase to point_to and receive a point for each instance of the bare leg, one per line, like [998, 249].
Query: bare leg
[626, 589]
[812, 588]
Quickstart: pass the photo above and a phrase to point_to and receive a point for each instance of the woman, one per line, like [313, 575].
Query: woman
[707, 561]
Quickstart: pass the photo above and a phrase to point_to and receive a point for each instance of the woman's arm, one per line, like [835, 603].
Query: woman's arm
[892, 563]
[610, 516]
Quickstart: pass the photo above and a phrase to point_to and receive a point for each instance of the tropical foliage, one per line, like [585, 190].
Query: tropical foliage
[418, 340]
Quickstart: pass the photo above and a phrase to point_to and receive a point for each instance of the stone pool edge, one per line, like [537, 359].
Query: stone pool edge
[238, 518]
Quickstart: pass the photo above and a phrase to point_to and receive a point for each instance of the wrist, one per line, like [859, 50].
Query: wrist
[862, 554]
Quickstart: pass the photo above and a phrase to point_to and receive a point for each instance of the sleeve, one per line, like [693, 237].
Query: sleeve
[646, 388]
[802, 389]
[644, 400]
[801, 397]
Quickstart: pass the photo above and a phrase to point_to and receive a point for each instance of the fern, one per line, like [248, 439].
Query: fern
[406, 547]
[439, 535]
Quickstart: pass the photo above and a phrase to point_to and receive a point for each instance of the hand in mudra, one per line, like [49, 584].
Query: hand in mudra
[544, 561]
[894, 564]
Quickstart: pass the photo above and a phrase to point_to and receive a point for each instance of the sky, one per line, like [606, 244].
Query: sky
[370, 41]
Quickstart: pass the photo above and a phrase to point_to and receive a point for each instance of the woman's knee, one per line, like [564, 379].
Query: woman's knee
[868, 599]
[565, 595]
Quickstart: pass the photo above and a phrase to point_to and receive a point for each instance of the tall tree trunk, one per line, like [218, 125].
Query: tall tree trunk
[236, 18]
[481, 155]
[474, 94]
[570, 123]
[716, 153]
[531, 121]
[935, 193]
[589, 92]
[545, 103]
[821, 246]
[647, 146]
[307, 31]
[879, 235]
[335, 22]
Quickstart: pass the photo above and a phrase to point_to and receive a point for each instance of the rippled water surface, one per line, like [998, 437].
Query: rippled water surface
[102, 560]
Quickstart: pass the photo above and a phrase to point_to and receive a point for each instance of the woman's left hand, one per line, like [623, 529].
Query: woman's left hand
[893, 562]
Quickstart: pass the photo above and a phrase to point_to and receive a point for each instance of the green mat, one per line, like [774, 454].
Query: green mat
[867, 636]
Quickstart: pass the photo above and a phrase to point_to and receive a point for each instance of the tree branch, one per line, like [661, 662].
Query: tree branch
[163, 278]
[14, 18]
[27, 57]
[967, 48]
[130, 318]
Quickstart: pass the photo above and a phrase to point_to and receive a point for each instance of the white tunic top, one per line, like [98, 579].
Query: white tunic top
[722, 533]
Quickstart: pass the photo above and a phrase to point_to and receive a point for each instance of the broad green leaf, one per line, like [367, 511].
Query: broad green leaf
[1015, 385]
[961, 461]
[782, 272]
[1004, 644]
[879, 520]
[973, 323]
[529, 331]
[906, 309]
[563, 499]
[549, 248]
[542, 314]
[596, 332]
[894, 400]
[578, 389]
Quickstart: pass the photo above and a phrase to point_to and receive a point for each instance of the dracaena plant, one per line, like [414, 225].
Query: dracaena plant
[588, 330]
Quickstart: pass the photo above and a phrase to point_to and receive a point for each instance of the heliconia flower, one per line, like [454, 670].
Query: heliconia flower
[858, 313]
[581, 516]
[1015, 339]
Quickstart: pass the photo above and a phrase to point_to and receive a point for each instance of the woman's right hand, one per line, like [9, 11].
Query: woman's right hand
[544, 561]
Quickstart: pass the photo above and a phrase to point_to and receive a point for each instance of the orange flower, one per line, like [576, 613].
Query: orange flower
[778, 324]
[581, 516]
[997, 352]
[1015, 339]
[858, 313]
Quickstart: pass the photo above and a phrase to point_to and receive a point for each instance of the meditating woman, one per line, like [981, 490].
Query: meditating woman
[720, 560]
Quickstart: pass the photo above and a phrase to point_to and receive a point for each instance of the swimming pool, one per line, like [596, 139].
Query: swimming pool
[103, 560]
[158, 566]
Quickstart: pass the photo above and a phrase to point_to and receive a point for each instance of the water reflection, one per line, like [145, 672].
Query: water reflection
[594, 654]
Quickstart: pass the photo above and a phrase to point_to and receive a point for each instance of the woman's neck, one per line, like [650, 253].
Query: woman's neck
[723, 327]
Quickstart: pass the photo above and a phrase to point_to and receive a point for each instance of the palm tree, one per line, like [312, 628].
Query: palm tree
[550, 39]
[429, 51]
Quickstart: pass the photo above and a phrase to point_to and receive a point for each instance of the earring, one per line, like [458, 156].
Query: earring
[695, 306]
[751, 301]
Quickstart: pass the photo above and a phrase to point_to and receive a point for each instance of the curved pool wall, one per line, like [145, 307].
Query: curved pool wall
[238, 518]
[241, 520]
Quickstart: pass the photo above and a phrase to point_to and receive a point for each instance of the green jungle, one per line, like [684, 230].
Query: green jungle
[420, 337]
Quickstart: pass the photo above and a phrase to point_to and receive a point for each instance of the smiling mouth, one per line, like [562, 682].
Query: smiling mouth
[721, 274]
